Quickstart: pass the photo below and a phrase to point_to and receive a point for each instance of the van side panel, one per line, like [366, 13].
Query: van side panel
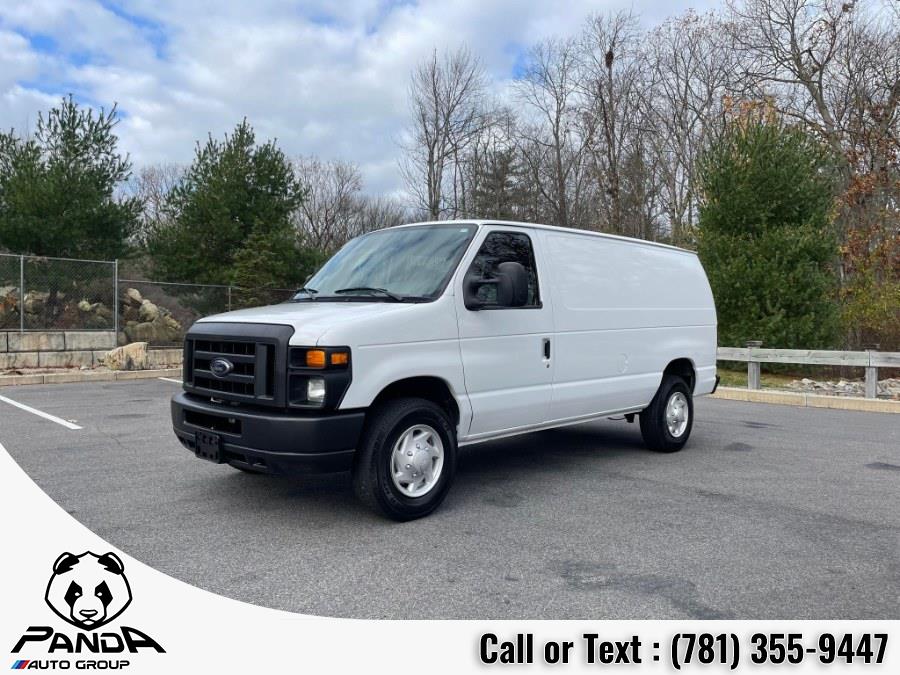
[623, 311]
[403, 341]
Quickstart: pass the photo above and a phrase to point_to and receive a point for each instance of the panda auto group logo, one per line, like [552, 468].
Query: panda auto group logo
[94, 594]
[87, 591]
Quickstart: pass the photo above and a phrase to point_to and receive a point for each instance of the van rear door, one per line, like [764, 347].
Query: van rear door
[505, 351]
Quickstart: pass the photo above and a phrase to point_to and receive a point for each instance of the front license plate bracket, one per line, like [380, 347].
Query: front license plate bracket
[208, 446]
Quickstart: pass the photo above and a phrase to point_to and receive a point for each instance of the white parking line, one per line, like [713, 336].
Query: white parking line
[40, 413]
[169, 379]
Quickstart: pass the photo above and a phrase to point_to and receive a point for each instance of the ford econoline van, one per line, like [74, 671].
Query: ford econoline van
[415, 340]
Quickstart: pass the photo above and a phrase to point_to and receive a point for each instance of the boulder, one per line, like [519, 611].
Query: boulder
[163, 329]
[148, 312]
[136, 332]
[145, 321]
[103, 312]
[9, 304]
[133, 297]
[35, 301]
[94, 315]
[173, 325]
[129, 357]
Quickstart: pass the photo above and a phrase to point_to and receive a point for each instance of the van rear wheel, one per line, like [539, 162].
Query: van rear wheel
[667, 422]
[406, 460]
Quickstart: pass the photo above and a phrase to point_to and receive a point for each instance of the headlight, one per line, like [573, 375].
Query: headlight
[315, 390]
[318, 376]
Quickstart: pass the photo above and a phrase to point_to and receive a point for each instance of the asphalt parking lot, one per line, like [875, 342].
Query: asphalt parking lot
[770, 512]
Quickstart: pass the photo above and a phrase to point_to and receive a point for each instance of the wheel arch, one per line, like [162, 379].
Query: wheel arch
[683, 368]
[431, 388]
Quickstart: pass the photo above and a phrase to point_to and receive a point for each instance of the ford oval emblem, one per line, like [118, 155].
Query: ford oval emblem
[220, 367]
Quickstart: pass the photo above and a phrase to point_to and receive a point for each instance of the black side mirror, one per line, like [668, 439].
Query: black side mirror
[511, 283]
[514, 278]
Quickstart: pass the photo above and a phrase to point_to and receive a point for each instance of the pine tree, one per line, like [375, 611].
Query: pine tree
[766, 236]
[230, 217]
[57, 187]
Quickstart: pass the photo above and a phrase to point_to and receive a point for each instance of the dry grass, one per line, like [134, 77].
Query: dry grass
[738, 378]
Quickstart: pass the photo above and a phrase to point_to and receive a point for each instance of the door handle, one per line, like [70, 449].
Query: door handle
[547, 348]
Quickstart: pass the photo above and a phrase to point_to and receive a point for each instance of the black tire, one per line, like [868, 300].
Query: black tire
[372, 479]
[654, 429]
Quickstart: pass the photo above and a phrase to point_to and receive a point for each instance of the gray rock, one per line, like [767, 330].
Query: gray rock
[163, 329]
[35, 301]
[148, 312]
[133, 296]
[129, 357]
[888, 388]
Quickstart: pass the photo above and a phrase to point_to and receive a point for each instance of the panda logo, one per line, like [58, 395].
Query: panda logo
[88, 590]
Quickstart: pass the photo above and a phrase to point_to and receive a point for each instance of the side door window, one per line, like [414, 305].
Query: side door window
[500, 247]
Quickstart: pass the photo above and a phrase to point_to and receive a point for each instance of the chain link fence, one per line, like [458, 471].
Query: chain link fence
[38, 293]
[160, 312]
[10, 292]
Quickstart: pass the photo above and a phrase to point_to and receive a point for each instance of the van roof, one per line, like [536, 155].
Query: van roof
[552, 228]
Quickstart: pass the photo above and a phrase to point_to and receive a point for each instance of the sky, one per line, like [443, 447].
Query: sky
[324, 78]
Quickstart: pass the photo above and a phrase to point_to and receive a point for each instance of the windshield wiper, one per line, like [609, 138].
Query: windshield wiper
[369, 289]
[311, 292]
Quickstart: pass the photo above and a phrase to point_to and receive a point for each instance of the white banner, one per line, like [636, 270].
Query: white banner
[72, 601]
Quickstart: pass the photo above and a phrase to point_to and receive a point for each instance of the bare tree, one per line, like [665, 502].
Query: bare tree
[152, 185]
[691, 67]
[834, 67]
[553, 136]
[334, 208]
[609, 124]
[615, 84]
[376, 213]
[792, 48]
[329, 204]
[869, 67]
[446, 114]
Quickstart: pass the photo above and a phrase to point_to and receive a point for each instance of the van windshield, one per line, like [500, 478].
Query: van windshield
[411, 264]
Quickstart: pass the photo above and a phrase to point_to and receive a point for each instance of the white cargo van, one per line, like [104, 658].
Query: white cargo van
[415, 340]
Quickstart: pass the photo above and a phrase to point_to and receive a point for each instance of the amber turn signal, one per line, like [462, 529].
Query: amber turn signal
[315, 358]
[340, 358]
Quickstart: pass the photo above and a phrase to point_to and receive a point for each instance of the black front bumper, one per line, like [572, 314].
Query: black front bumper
[270, 441]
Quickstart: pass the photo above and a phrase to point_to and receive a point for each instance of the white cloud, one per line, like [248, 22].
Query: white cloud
[324, 78]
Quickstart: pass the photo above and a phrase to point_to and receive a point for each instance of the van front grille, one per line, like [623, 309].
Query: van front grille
[244, 359]
[251, 362]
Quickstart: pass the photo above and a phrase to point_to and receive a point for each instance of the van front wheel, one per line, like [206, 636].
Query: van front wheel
[407, 458]
[666, 423]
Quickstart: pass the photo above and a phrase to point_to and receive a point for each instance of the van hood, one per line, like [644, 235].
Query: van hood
[311, 320]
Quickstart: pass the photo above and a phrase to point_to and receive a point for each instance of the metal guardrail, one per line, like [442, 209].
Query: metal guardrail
[753, 356]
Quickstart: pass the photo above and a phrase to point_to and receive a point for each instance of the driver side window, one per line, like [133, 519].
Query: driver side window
[500, 247]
